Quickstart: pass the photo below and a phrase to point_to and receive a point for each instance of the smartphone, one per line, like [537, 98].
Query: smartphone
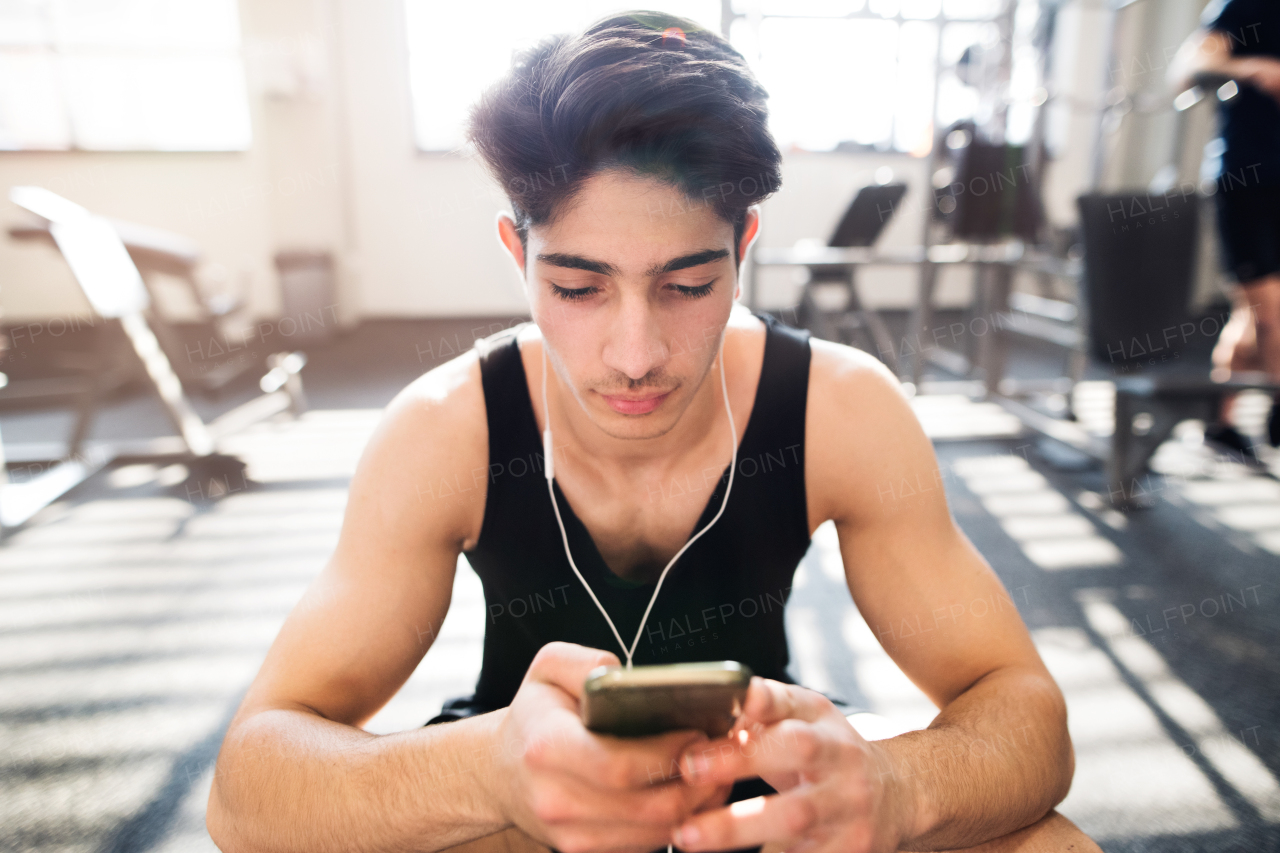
[650, 700]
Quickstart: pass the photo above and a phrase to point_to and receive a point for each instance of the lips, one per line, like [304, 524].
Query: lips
[628, 405]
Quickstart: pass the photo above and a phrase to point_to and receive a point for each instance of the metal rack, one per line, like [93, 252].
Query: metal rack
[994, 264]
[1146, 409]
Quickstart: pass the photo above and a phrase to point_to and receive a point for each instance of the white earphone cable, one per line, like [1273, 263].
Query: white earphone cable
[549, 471]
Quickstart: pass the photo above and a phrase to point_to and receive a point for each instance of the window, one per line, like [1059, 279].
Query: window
[840, 73]
[862, 72]
[456, 49]
[122, 75]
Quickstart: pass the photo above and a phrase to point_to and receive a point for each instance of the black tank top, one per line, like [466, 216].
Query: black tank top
[723, 600]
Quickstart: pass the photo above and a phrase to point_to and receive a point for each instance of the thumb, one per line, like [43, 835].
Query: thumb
[566, 665]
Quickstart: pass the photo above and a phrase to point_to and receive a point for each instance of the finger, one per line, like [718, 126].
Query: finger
[770, 701]
[790, 817]
[590, 819]
[791, 746]
[718, 797]
[601, 837]
[565, 665]
[610, 762]
[562, 799]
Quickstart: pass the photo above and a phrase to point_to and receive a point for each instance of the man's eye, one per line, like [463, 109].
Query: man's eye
[573, 294]
[697, 292]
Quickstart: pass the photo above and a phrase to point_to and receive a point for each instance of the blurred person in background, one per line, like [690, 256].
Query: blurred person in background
[1239, 40]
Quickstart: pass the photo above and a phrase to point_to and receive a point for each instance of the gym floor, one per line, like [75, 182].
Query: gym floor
[134, 613]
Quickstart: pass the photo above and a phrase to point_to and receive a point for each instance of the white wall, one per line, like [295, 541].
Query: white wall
[207, 196]
[1147, 139]
[1077, 86]
[333, 167]
[240, 207]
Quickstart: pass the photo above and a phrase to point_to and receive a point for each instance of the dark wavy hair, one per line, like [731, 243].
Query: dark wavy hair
[646, 92]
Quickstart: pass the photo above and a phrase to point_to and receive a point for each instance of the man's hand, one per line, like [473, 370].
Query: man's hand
[835, 792]
[576, 790]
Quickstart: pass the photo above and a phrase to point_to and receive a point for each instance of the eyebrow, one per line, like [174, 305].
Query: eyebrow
[578, 262]
[697, 259]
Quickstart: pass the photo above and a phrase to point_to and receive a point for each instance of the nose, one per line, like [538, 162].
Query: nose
[635, 345]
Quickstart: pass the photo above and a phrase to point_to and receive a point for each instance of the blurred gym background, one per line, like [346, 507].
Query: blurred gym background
[236, 229]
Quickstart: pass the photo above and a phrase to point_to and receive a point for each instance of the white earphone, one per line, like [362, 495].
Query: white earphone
[549, 469]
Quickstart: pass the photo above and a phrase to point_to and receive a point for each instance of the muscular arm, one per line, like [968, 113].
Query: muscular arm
[296, 771]
[997, 757]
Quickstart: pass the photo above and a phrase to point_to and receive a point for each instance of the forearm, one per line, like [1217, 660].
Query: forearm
[1209, 56]
[995, 760]
[290, 780]
[1242, 68]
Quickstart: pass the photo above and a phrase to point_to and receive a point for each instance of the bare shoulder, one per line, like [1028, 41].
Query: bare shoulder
[451, 391]
[834, 362]
[853, 387]
[860, 433]
[424, 470]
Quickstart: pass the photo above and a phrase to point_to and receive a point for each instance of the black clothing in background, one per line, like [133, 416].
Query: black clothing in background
[1250, 120]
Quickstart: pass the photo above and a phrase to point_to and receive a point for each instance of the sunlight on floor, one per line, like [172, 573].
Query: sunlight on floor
[1224, 751]
[1246, 503]
[951, 416]
[1049, 530]
[132, 625]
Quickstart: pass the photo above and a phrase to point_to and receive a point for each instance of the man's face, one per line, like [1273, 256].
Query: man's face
[632, 286]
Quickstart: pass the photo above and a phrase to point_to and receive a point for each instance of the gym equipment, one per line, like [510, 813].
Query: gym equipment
[992, 195]
[111, 281]
[860, 227]
[1147, 410]
[158, 253]
[1140, 264]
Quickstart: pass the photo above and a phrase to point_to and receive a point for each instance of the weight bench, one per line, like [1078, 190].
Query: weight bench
[1147, 410]
[861, 226]
[110, 280]
[157, 253]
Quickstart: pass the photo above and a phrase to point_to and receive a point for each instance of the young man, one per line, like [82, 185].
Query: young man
[633, 154]
[1240, 40]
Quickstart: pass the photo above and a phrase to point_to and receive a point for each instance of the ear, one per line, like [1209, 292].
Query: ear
[510, 238]
[750, 229]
